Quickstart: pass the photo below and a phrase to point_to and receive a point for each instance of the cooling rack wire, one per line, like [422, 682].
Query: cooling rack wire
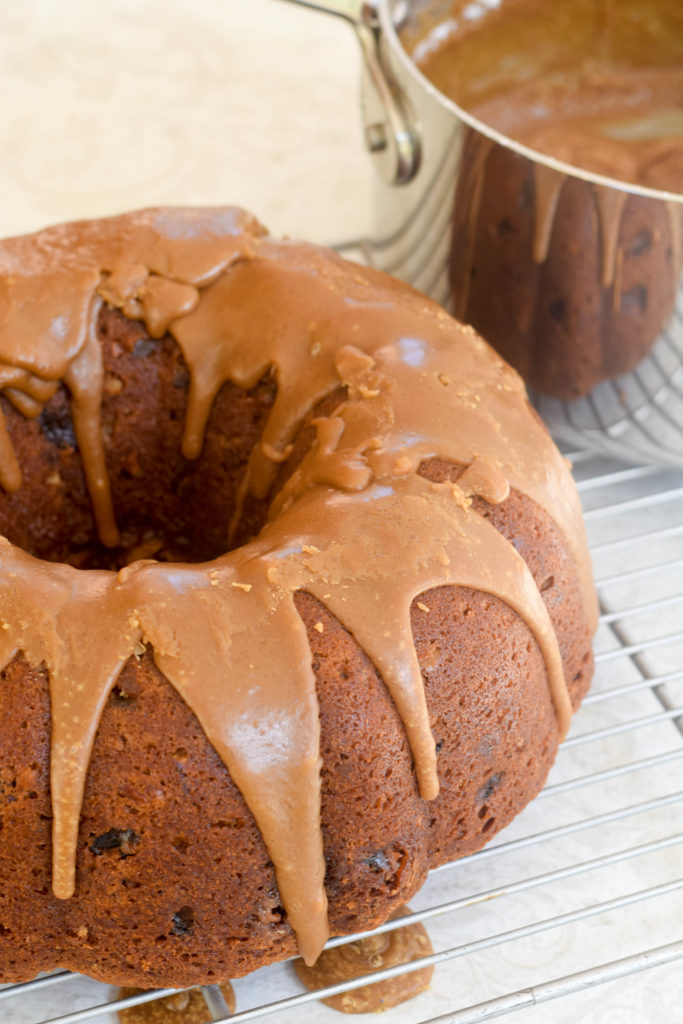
[578, 904]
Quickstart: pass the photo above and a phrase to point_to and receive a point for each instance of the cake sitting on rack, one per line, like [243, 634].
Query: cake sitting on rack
[295, 600]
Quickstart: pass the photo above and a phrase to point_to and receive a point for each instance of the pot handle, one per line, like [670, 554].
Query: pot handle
[390, 133]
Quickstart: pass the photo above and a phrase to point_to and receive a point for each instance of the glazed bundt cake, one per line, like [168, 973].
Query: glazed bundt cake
[295, 600]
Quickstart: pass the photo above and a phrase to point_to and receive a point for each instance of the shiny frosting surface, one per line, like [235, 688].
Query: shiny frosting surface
[355, 524]
[595, 83]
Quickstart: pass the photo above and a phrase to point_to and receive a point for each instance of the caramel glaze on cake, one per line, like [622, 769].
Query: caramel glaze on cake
[205, 766]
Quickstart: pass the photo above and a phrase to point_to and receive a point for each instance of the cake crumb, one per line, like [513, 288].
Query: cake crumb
[113, 385]
[403, 466]
[319, 628]
[246, 587]
[462, 499]
[423, 607]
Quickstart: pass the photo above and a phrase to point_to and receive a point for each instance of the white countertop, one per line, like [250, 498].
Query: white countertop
[131, 103]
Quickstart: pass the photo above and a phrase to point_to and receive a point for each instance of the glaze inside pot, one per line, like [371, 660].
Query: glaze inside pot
[595, 83]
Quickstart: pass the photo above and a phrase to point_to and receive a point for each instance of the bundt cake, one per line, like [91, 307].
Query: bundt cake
[571, 281]
[322, 629]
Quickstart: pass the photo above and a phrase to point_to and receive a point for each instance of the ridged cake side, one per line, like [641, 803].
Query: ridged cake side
[388, 578]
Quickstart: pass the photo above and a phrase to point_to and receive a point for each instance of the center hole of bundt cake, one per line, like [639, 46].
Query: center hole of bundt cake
[167, 507]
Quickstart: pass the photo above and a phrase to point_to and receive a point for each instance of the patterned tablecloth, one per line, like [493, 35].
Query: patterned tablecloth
[113, 106]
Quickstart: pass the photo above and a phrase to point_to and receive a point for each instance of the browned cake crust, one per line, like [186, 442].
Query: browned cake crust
[170, 508]
[168, 871]
[175, 884]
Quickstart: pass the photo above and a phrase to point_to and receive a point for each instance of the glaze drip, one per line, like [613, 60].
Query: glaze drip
[51, 290]
[355, 525]
[362, 957]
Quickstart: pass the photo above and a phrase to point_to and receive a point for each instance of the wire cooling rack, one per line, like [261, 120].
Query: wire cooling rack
[578, 904]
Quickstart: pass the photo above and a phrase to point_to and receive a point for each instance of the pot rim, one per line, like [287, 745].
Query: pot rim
[388, 28]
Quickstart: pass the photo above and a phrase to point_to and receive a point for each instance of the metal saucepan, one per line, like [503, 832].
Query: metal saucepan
[572, 275]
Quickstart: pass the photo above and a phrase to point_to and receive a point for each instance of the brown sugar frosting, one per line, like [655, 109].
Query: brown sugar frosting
[356, 525]
[360, 958]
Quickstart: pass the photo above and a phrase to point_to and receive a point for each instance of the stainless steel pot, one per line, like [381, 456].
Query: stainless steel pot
[428, 154]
